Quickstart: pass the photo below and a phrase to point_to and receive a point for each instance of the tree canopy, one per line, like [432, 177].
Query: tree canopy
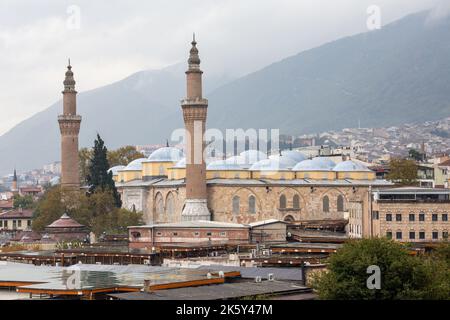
[403, 276]
[403, 172]
[123, 156]
[24, 202]
[97, 211]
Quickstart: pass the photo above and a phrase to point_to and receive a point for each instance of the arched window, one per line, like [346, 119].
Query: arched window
[161, 170]
[340, 203]
[169, 204]
[159, 204]
[326, 204]
[252, 204]
[236, 205]
[289, 218]
[283, 202]
[296, 202]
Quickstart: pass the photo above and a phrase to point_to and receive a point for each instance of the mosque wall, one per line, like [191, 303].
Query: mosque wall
[246, 204]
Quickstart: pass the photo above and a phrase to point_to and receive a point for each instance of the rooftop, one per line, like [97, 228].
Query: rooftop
[265, 222]
[65, 222]
[17, 214]
[219, 292]
[194, 224]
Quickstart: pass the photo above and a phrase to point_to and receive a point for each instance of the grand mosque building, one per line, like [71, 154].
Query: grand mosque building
[171, 186]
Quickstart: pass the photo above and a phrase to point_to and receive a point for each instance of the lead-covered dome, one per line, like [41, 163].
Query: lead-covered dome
[294, 155]
[166, 154]
[115, 170]
[349, 165]
[252, 156]
[222, 165]
[134, 165]
[315, 164]
[180, 164]
[273, 164]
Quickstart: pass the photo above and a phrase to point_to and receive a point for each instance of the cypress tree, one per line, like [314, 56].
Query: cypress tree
[98, 177]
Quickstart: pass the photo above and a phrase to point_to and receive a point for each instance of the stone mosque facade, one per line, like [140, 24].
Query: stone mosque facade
[249, 187]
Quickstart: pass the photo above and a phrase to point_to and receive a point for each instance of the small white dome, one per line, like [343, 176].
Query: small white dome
[288, 161]
[115, 170]
[316, 164]
[223, 165]
[181, 164]
[273, 164]
[134, 165]
[350, 165]
[294, 155]
[252, 156]
[166, 154]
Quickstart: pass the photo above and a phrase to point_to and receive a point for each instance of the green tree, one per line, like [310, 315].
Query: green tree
[24, 202]
[416, 155]
[403, 172]
[98, 177]
[52, 206]
[123, 156]
[84, 156]
[96, 211]
[403, 276]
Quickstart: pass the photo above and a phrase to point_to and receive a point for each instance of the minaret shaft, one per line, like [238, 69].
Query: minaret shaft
[194, 114]
[69, 124]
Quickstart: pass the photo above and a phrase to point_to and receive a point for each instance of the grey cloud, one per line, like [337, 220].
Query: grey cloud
[118, 38]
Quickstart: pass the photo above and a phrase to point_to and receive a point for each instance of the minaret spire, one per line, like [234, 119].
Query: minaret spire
[14, 187]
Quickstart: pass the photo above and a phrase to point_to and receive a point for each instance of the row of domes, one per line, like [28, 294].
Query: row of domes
[252, 160]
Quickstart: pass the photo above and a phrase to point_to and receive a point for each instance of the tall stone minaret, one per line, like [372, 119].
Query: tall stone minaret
[69, 125]
[194, 114]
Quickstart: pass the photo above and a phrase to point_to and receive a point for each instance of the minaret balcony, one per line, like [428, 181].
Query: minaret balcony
[69, 117]
[195, 102]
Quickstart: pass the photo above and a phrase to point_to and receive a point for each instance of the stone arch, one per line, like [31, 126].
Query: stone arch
[283, 201]
[245, 193]
[289, 218]
[296, 201]
[325, 203]
[170, 204]
[159, 204]
[290, 193]
[236, 204]
[333, 194]
[340, 203]
[251, 204]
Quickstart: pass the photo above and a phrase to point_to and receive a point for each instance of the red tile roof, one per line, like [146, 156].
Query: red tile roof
[446, 163]
[6, 204]
[17, 214]
[30, 189]
[65, 222]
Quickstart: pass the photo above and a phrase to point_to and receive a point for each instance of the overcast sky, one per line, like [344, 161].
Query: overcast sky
[108, 40]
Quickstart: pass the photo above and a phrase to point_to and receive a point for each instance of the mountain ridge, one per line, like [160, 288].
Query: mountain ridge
[395, 75]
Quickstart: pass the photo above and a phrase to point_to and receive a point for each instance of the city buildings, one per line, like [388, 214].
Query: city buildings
[13, 220]
[407, 214]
